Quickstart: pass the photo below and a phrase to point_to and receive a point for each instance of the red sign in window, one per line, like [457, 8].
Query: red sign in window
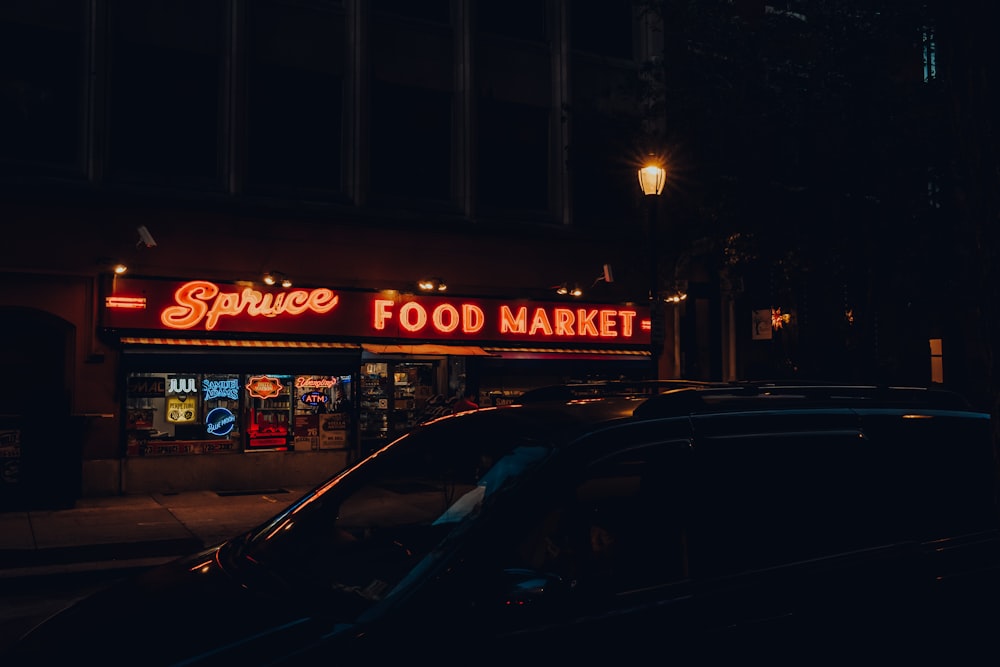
[262, 386]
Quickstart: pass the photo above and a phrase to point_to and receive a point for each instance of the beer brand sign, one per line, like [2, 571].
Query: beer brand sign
[262, 386]
[201, 306]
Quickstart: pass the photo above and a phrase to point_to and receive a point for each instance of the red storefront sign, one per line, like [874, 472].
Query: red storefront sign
[174, 307]
[262, 386]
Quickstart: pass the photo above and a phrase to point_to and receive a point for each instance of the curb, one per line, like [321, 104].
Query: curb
[21, 579]
[16, 563]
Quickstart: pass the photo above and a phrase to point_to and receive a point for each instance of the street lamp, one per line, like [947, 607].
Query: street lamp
[651, 180]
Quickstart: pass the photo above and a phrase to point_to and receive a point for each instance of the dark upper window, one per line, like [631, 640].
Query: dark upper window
[410, 119]
[41, 91]
[438, 11]
[410, 142]
[295, 97]
[522, 19]
[602, 27]
[513, 156]
[165, 91]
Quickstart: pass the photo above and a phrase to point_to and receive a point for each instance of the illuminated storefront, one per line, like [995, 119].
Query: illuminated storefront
[232, 368]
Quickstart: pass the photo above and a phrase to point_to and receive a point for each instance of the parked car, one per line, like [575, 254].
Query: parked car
[753, 522]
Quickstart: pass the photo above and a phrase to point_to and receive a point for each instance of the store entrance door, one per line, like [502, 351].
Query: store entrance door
[395, 396]
[41, 443]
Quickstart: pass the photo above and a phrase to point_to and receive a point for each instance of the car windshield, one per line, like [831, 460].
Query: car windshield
[368, 528]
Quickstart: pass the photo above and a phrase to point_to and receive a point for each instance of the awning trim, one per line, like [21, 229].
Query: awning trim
[252, 344]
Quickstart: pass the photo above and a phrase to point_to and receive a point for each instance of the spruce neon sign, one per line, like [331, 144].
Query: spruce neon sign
[201, 301]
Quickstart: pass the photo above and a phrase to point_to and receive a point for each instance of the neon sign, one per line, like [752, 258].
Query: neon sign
[558, 321]
[328, 314]
[200, 300]
[314, 398]
[220, 421]
[262, 386]
[303, 382]
[228, 388]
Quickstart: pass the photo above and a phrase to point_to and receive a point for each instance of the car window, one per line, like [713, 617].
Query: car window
[619, 526]
[370, 528]
[765, 499]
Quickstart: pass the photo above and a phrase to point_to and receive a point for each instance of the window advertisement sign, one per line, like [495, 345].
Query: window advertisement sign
[10, 457]
[220, 396]
[332, 430]
[761, 320]
[182, 399]
[320, 420]
[190, 413]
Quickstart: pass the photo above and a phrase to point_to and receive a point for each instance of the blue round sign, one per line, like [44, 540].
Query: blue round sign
[220, 421]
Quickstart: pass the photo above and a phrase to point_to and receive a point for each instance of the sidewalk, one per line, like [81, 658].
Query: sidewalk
[125, 532]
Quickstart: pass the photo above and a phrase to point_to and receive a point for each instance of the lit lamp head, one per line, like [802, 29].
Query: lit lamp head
[276, 277]
[432, 285]
[651, 179]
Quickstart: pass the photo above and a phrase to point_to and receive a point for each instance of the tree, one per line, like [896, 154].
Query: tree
[802, 135]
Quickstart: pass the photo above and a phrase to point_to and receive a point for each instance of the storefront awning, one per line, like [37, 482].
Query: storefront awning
[245, 344]
[427, 349]
[151, 354]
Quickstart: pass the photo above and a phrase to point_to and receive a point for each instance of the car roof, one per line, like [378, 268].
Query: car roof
[664, 398]
[562, 420]
[571, 390]
[552, 422]
[755, 396]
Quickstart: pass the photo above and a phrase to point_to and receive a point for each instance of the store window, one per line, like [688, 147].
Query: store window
[195, 413]
[165, 92]
[411, 118]
[42, 47]
[295, 88]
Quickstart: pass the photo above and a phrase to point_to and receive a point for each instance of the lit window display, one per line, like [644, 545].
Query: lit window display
[192, 413]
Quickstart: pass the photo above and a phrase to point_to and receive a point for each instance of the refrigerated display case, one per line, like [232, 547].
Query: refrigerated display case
[269, 403]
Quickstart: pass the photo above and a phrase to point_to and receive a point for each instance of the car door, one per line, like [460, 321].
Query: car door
[597, 564]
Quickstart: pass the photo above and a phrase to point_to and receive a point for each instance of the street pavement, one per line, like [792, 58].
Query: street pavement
[131, 531]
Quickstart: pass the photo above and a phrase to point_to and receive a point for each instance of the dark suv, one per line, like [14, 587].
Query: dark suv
[750, 522]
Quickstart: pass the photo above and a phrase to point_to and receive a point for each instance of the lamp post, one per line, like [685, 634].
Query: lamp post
[651, 180]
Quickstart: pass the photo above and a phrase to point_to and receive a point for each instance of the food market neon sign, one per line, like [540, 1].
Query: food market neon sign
[446, 318]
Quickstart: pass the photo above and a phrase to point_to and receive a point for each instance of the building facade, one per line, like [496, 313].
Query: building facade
[351, 149]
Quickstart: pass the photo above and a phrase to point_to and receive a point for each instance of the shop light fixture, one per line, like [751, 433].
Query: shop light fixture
[432, 285]
[113, 265]
[677, 292]
[564, 290]
[276, 277]
[675, 297]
